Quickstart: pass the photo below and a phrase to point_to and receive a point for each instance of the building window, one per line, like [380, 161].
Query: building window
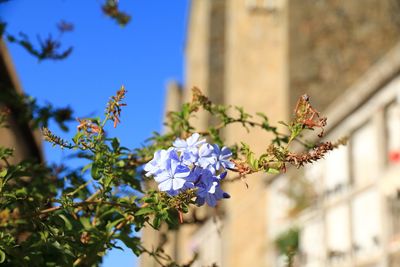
[365, 154]
[313, 173]
[394, 217]
[338, 235]
[265, 5]
[206, 242]
[393, 133]
[336, 178]
[312, 243]
[366, 224]
[278, 207]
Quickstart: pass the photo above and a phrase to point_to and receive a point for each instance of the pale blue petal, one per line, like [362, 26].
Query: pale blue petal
[222, 175]
[178, 183]
[192, 139]
[179, 143]
[166, 185]
[161, 177]
[226, 152]
[173, 154]
[213, 187]
[151, 165]
[205, 150]
[212, 169]
[200, 201]
[228, 164]
[173, 192]
[188, 158]
[217, 165]
[181, 171]
[211, 201]
[204, 162]
[216, 149]
[174, 165]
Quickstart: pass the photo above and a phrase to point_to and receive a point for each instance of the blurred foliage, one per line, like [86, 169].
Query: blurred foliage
[111, 9]
[50, 48]
[47, 48]
[30, 112]
[287, 244]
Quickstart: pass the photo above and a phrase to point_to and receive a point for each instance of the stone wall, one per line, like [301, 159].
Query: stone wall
[256, 62]
[333, 42]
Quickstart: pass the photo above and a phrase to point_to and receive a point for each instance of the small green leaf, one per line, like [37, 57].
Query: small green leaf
[144, 211]
[115, 144]
[85, 223]
[111, 225]
[273, 171]
[157, 221]
[262, 115]
[77, 137]
[86, 167]
[95, 171]
[150, 200]
[3, 173]
[2, 256]
[254, 163]
[121, 163]
[132, 243]
[22, 192]
[68, 224]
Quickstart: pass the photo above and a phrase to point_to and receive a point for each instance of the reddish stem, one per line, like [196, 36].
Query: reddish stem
[180, 216]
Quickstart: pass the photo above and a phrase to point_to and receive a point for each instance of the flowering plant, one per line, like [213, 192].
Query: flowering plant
[191, 163]
[53, 215]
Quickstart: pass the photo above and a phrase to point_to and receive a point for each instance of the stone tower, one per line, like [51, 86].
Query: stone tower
[262, 55]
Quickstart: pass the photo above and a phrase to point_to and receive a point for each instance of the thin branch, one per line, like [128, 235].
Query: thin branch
[84, 203]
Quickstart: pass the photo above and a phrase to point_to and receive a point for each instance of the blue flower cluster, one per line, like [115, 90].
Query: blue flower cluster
[191, 163]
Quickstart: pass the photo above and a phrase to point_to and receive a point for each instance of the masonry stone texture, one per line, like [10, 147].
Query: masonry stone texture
[262, 55]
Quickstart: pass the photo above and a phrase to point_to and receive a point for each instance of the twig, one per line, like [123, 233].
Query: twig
[84, 203]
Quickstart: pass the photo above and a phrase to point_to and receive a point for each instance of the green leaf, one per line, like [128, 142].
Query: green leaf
[254, 163]
[144, 211]
[5, 152]
[273, 171]
[132, 243]
[262, 115]
[85, 223]
[95, 172]
[2, 256]
[86, 167]
[150, 200]
[77, 137]
[157, 221]
[3, 173]
[68, 224]
[115, 144]
[111, 225]
[108, 214]
[22, 192]
[44, 235]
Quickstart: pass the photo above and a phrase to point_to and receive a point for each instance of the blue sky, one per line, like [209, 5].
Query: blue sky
[142, 56]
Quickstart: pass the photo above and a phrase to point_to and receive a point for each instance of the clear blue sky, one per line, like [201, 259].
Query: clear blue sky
[143, 56]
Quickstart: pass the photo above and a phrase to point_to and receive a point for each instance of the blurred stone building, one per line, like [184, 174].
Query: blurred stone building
[264, 54]
[18, 134]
